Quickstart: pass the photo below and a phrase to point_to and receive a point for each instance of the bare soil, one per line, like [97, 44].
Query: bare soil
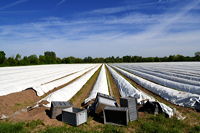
[40, 113]
[15, 106]
[15, 101]
[79, 98]
[114, 90]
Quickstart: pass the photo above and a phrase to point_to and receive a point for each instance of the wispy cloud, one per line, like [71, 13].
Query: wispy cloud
[61, 2]
[169, 21]
[133, 33]
[13, 4]
[119, 9]
[18, 11]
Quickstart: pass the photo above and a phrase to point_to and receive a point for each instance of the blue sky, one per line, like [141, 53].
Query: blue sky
[100, 28]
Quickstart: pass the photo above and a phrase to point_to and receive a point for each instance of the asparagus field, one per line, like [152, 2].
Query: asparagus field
[27, 92]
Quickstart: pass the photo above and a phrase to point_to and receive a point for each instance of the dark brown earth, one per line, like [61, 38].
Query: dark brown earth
[15, 101]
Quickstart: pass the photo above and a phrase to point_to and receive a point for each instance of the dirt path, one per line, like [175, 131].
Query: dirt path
[114, 90]
[79, 98]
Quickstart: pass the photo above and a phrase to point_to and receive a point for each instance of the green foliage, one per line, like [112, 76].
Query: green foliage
[150, 124]
[88, 59]
[33, 59]
[63, 130]
[197, 54]
[42, 59]
[71, 59]
[25, 61]
[2, 57]
[11, 61]
[112, 129]
[49, 57]
[12, 127]
[33, 124]
[195, 129]
[160, 124]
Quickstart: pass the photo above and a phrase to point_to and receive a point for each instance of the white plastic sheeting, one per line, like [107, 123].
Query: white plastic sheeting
[16, 79]
[165, 82]
[188, 70]
[66, 93]
[174, 96]
[126, 90]
[100, 86]
[42, 89]
[164, 76]
[172, 74]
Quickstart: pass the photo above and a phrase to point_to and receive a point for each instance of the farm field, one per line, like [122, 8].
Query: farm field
[175, 86]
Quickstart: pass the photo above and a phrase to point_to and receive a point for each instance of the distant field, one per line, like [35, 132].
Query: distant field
[174, 85]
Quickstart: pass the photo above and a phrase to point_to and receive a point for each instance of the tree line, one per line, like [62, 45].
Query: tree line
[50, 57]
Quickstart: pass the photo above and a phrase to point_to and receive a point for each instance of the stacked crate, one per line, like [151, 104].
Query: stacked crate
[103, 100]
[131, 104]
[57, 106]
[197, 106]
[74, 116]
[115, 115]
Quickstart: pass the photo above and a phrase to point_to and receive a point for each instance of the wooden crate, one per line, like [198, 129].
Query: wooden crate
[115, 115]
[103, 100]
[74, 116]
[131, 104]
[56, 108]
[197, 106]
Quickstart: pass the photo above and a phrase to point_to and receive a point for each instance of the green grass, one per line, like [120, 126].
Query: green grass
[195, 129]
[6, 127]
[63, 130]
[147, 124]
[33, 124]
[160, 124]
[20, 127]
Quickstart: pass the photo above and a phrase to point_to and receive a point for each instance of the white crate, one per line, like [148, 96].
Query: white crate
[74, 116]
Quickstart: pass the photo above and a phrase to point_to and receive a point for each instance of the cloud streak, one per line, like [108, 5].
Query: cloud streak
[133, 33]
[61, 2]
[13, 4]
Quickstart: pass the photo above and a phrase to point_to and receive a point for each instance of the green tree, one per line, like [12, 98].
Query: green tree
[58, 60]
[33, 59]
[110, 59]
[88, 59]
[25, 61]
[18, 57]
[197, 54]
[42, 59]
[126, 58]
[2, 57]
[50, 57]
[11, 61]
[118, 59]
[70, 59]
